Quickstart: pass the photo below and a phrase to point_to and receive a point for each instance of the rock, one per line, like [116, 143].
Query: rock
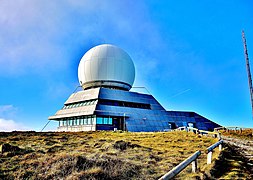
[8, 148]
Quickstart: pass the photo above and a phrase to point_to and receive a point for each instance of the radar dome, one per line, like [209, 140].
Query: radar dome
[106, 66]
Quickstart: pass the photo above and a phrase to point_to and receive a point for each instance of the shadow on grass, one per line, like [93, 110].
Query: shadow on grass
[231, 164]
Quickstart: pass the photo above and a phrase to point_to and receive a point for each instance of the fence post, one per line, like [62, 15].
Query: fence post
[194, 166]
[209, 157]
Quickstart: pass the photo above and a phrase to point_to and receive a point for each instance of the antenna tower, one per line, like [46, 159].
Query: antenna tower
[248, 70]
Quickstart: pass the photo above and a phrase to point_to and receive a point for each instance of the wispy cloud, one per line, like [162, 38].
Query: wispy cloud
[7, 111]
[42, 36]
[48, 37]
[180, 93]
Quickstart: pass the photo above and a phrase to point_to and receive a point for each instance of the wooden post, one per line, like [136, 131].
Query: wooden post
[194, 166]
[209, 157]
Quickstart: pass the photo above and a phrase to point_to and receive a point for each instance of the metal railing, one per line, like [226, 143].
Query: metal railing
[210, 151]
[197, 131]
[193, 158]
[176, 170]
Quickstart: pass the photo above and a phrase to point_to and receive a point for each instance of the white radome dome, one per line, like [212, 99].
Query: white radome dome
[106, 66]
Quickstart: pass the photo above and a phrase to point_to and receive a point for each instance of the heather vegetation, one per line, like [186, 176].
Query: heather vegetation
[99, 155]
[245, 134]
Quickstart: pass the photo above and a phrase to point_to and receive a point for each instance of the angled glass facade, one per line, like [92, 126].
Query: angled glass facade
[110, 109]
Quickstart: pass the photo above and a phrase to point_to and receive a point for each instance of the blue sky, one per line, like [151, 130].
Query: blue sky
[188, 54]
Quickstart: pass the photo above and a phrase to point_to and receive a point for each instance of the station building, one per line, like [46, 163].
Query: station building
[106, 74]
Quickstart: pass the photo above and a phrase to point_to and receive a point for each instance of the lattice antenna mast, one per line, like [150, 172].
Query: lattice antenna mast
[248, 70]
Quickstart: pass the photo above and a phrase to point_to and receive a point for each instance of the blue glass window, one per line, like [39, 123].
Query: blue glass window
[99, 120]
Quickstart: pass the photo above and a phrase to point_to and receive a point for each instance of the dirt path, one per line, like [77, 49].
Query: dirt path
[235, 161]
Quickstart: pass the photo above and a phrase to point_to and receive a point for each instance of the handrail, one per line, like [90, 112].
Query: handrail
[181, 166]
[208, 132]
[212, 147]
[197, 130]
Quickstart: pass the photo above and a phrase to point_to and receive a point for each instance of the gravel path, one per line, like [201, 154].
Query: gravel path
[245, 146]
[235, 161]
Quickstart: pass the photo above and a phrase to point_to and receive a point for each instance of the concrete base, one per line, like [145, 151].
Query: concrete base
[77, 128]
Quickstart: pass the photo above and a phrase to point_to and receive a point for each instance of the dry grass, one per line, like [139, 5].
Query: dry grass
[246, 134]
[100, 155]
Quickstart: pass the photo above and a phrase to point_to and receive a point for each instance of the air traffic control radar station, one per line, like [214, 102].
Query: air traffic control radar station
[106, 74]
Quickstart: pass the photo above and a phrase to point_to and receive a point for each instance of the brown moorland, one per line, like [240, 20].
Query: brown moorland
[99, 155]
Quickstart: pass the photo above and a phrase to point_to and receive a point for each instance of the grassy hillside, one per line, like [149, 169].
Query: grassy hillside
[98, 155]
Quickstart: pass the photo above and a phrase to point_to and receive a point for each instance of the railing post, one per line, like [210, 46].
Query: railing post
[209, 157]
[220, 147]
[194, 166]
[219, 136]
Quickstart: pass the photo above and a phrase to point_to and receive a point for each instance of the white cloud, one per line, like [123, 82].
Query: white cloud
[7, 112]
[11, 125]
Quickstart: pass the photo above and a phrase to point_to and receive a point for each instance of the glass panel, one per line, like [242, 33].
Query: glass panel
[110, 121]
[82, 119]
[99, 120]
[93, 120]
[106, 120]
[184, 123]
[89, 120]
